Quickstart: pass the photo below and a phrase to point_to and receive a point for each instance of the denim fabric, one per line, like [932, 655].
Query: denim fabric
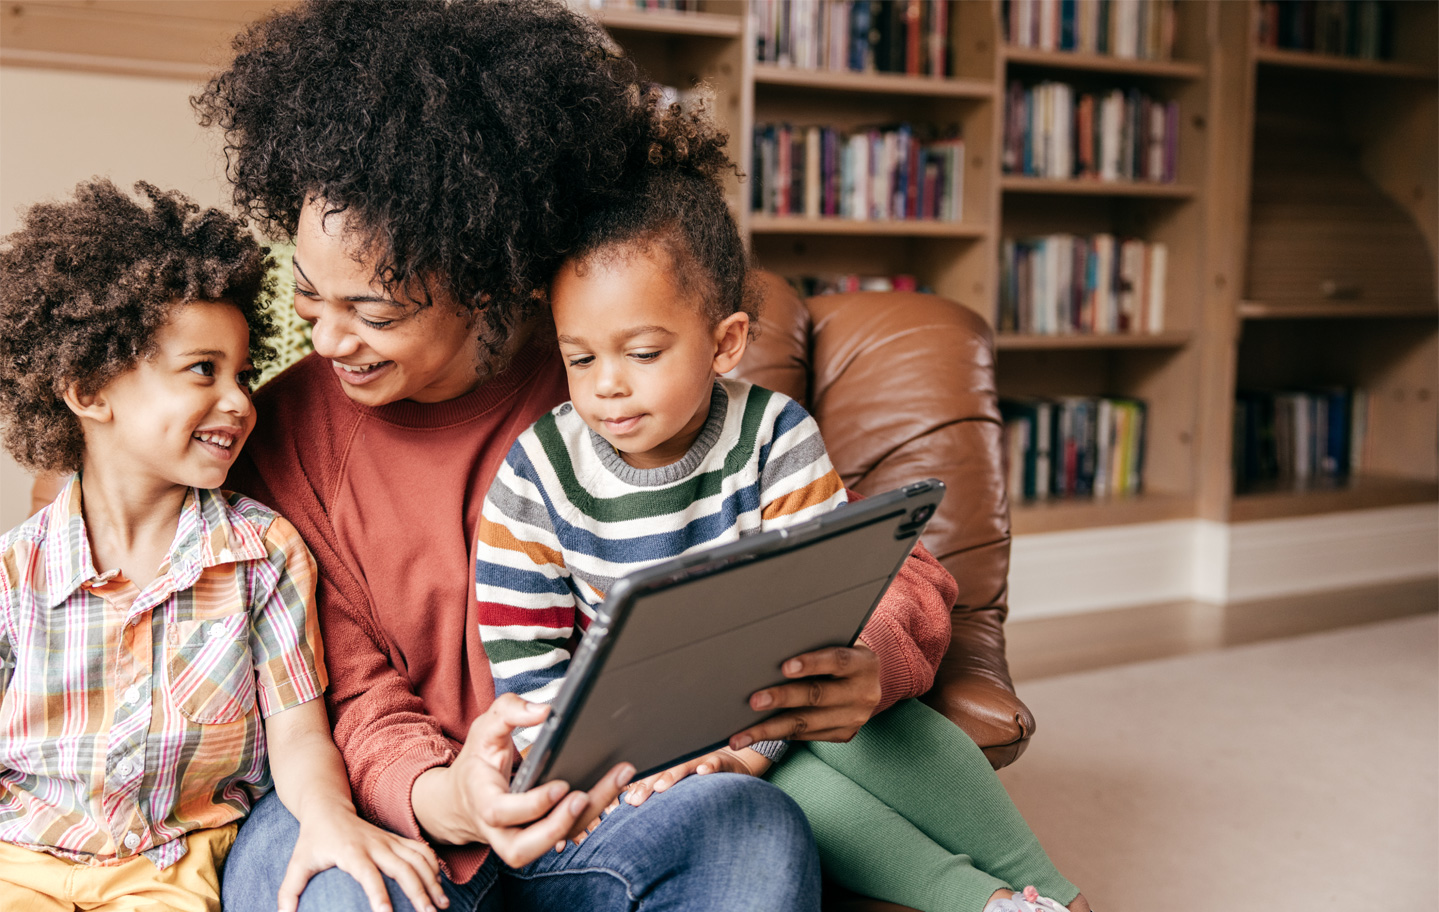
[711, 843]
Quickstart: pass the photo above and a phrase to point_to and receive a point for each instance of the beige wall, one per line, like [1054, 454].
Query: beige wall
[58, 128]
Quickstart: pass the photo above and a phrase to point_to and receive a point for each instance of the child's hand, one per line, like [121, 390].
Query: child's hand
[746, 762]
[335, 837]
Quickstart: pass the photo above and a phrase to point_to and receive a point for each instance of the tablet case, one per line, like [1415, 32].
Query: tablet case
[666, 669]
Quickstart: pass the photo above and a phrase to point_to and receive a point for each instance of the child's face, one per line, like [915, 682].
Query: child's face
[640, 356]
[181, 416]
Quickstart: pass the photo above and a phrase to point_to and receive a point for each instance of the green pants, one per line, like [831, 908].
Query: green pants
[911, 812]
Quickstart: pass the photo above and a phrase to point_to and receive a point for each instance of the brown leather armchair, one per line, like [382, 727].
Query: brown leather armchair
[902, 386]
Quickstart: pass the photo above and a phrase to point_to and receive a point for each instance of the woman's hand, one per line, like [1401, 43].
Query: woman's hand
[470, 800]
[332, 836]
[745, 762]
[837, 691]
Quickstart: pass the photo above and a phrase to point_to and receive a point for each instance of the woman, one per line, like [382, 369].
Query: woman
[431, 161]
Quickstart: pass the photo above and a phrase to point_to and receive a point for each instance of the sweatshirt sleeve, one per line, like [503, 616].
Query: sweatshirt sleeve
[909, 630]
[526, 606]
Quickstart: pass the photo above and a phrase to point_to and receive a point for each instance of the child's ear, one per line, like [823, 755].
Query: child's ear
[731, 340]
[93, 406]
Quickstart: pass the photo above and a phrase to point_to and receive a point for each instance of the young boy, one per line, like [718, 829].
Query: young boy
[656, 455]
[149, 622]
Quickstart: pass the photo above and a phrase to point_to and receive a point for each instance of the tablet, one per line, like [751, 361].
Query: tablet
[666, 670]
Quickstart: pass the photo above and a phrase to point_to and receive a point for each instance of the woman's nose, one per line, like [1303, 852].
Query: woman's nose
[331, 340]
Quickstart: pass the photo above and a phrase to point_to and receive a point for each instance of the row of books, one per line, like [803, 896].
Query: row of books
[1052, 131]
[861, 36]
[1064, 283]
[1074, 446]
[1140, 29]
[1298, 436]
[888, 173]
[1350, 28]
[680, 6]
[838, 283]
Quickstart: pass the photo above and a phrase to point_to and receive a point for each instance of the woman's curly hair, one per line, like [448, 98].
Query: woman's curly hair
[85, 287]
[462, 140]
[676, 204]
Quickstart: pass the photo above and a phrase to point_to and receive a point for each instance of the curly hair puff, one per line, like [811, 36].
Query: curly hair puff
[85, 287]
[677, 205]
[462, 140]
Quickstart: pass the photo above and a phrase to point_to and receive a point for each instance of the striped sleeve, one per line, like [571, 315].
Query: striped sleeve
[526, 606]
[797, 480]
[284, 626]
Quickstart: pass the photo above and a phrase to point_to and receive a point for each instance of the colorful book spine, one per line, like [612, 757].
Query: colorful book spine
[1074, 447]
[889, 173]
[1053, 131]
[911, 37]
[1136, 29]
[1063, 284]
[1298, 437]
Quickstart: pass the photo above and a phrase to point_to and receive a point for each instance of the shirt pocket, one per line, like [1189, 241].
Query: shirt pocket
[211, 675]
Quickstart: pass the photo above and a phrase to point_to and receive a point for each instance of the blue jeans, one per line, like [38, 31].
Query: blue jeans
[710, 843]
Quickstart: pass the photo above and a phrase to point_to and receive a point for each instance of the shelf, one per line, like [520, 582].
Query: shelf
[1089, 341]
[1061, 515]
[793, 224]
[1258, 310]
[670, 22]
[1283, 500]
[877, 83]
[1332, 63]
[1017, 183]
[1103, 63]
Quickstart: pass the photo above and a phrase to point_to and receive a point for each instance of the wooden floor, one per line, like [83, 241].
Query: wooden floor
[1050, 646]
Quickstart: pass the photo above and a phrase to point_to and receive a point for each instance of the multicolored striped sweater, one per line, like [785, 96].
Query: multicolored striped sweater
[566, 517]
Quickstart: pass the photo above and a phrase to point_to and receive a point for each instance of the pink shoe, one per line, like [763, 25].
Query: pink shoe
[1027, 900]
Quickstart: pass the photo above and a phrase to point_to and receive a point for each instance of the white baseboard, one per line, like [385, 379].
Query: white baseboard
[1195, 560]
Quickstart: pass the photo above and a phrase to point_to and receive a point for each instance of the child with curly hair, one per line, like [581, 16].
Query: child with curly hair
[157, 635]
[657, 455]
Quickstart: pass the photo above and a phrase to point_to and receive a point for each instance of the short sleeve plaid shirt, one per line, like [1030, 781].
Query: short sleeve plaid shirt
[130, 718]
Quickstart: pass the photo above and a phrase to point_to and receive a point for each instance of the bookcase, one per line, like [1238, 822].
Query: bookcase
[1300, 226]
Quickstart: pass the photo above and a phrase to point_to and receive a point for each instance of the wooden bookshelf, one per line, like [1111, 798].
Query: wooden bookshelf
[1101, 63]
[670, 22]
[1284, 500]
[1332, 63]
[1222, 327]
[1019, 183]
[1069, 514]
[796, 224]
[1098, 341]
[872, 83]
[1336, 310]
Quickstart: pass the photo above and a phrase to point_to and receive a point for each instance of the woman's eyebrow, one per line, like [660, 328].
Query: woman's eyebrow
[353, 299]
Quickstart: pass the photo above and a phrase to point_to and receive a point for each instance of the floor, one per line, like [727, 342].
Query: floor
[1298, 771]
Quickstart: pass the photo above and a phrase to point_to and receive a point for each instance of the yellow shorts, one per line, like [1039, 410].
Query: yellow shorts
[33, 881]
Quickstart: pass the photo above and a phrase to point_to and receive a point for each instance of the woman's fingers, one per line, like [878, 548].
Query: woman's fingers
[599, 797]
[297, 874]
[513, 810]
[423, 892]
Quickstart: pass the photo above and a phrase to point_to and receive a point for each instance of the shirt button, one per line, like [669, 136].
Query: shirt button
[132, 695]
[132, 840]
[124, 769]
[216, 629]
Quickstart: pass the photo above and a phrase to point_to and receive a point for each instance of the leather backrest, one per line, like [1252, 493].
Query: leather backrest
[902, 386]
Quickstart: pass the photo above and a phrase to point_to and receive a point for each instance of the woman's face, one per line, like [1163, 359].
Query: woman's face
[382, 347]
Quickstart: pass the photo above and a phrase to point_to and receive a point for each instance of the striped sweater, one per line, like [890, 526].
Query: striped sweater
[566, 517]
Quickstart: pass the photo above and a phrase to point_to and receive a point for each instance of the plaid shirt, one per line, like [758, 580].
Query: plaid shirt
[129, 718]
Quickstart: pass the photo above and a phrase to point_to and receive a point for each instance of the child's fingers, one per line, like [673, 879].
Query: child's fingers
[409, 872]
[297, 874]
[426, 866]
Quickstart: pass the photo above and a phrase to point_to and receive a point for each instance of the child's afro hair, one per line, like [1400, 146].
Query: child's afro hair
[676, 205]
[461, 140]
[85, 287]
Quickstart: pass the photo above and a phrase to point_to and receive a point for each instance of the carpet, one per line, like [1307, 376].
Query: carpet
[1295, 774]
